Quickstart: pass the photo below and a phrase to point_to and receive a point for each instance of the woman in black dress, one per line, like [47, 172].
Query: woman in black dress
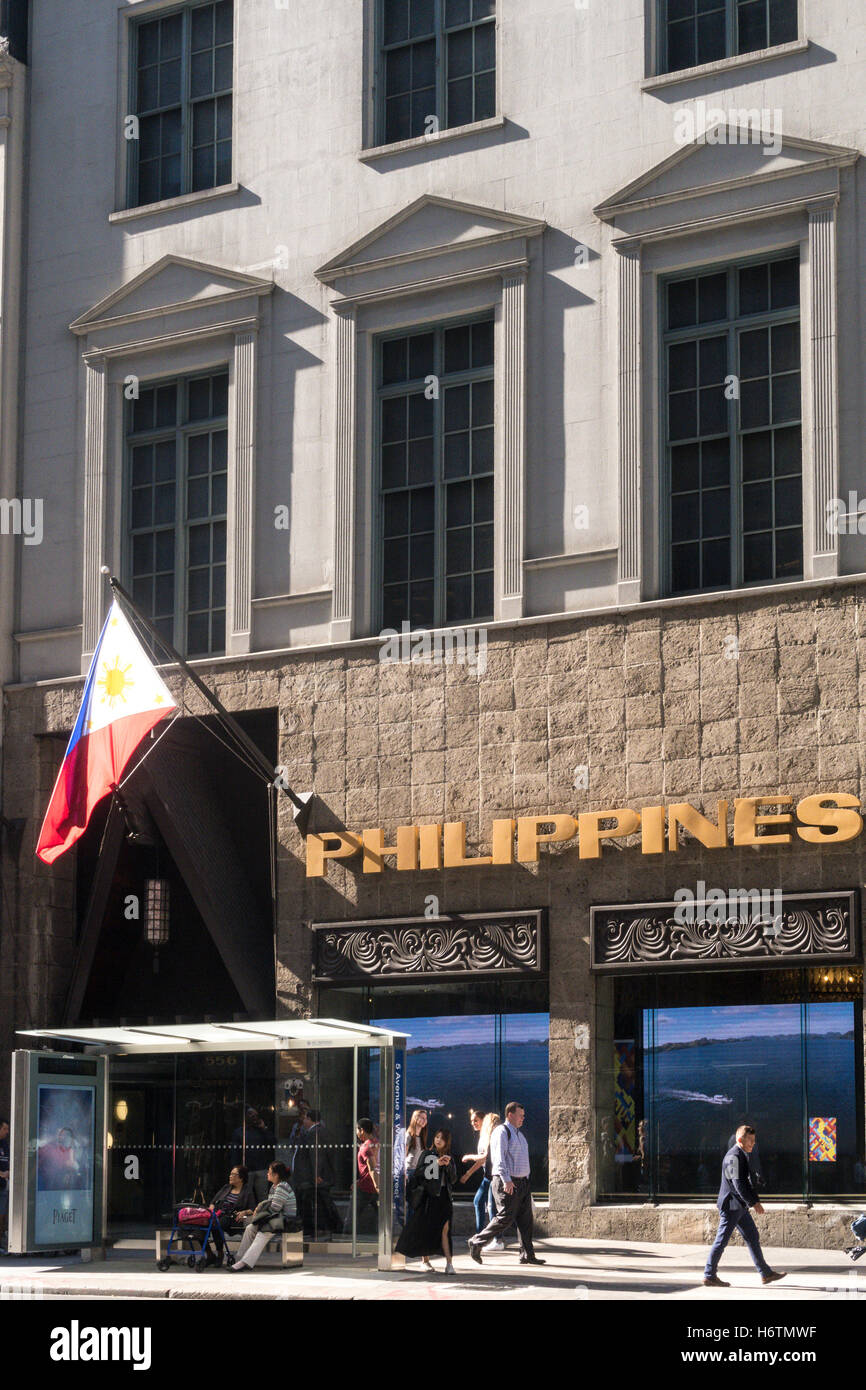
[428, 1230]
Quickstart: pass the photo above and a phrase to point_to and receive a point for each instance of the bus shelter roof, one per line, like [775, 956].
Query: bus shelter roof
[281, 1034]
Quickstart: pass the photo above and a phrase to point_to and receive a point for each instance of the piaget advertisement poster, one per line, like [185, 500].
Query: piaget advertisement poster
[64, 1165]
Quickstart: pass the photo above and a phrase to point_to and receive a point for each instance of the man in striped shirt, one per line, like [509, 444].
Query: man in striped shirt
[509, 1184]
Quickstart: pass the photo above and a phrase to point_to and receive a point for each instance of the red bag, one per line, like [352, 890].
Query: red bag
[193, 1216]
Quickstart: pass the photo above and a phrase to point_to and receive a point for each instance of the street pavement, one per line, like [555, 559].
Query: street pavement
[575, 1269]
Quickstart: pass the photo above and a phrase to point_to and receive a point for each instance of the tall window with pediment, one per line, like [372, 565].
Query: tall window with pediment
[436, 463]
[732, 423]
[177, 472]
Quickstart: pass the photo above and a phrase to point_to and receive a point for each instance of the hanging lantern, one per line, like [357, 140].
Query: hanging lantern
[157, 912]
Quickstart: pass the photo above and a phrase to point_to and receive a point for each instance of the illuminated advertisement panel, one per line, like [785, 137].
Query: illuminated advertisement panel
[58, 1135]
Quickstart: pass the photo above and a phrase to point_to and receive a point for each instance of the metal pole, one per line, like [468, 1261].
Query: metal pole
[354, 1187]
[243, 738]
[386, 1154]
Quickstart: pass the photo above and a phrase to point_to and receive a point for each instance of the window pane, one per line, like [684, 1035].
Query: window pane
[711, 37]
[482, 344]
[396, 559]
[460, 54]
[198, 407]
[789, 555]
[713, 410]
[394, 419]
[789, 501]
[460, 103]
[754, 289]
[202, 27]
[223, 21]
[757, 506]
[713, 356]
[396, 21]
[485, 50]
[458, 349]
[457, 454]
[754, 404]
[786, 398]
[681, 45]
[758, 558]
[485, 96]
[685, 568]
[685, 516]
[394, 352]
[457, 400]
[755, 353]
[420, 462]
[785, 284]
[396, 514]
[715, 463]
[752, 25]
[712, 297]
[716, 564]
[683, 415]
[421, 17]
[483, 586]
[201, 74]
[716, 513]
[786, 347]
[757, 456]
[787, 451]
[682, 304]
[142, 507]
[457, 12]
[783, 21]
[394, 465]
[682, 365]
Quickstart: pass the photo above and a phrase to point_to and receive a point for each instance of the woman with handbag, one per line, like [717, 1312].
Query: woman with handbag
[269, 1216]
[428, 1230]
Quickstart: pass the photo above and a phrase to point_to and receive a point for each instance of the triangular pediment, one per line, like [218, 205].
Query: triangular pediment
[430, 226]
[171, 284]
[725, 156]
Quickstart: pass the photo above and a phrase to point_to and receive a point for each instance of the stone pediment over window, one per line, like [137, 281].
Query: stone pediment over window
[433, 242]
[179, 294]
[142, 330]
[724, 175]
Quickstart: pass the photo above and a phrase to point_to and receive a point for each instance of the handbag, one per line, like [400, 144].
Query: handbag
[194, 1216]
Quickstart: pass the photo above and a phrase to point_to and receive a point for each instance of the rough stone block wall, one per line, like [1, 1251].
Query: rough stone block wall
[737, 696]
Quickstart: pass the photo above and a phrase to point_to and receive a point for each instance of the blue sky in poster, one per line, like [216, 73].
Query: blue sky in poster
[746, 1021]
[467, 1031]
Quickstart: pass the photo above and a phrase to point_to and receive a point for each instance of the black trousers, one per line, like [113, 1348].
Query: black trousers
[512, 1209]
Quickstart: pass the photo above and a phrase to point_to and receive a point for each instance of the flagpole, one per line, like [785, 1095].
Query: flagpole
[240, 734]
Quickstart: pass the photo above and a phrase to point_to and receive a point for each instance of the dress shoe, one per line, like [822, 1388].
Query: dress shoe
[475, 1252]
[771, 1278]
[716, 1283]
[525, 1260]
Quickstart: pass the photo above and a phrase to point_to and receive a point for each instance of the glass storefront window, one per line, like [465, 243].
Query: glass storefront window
[458, 1063]
[683, 1061]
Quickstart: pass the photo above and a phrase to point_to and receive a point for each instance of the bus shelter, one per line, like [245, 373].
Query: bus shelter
[169, 1108]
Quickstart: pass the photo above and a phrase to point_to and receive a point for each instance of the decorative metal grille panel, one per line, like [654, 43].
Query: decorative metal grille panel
[813, 928]
[497, 943]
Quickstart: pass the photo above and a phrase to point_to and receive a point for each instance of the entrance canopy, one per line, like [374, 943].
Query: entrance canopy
[282, 1034]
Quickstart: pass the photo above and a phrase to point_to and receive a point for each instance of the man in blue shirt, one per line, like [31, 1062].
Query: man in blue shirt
[512, 1196]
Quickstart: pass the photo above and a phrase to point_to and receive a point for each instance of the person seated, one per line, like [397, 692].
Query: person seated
[233, 1201]
[273, 1214]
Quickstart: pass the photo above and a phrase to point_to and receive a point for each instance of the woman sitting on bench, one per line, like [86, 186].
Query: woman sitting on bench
[233, 1201]
[278, 1208]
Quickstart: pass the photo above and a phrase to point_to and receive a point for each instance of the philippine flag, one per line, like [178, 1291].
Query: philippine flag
[123, 698]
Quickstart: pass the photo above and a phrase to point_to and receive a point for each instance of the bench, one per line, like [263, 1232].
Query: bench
[291, 1246]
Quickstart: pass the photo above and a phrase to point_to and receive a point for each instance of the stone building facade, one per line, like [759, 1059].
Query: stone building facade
[656, 709]
[637, 267]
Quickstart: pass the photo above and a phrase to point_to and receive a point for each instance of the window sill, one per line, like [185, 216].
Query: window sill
[457, 132]
[203, 195]
[738, 60]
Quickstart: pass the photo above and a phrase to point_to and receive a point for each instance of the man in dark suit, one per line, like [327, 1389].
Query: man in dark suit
[736, 1195]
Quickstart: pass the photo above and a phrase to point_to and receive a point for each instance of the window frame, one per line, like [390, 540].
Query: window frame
[440, 38]
[132, 162]
[181, 432]
[732, 26]
[731, 327]
[438, 327]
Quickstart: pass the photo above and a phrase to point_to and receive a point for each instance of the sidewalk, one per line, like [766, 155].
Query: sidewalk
[575, 1269]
